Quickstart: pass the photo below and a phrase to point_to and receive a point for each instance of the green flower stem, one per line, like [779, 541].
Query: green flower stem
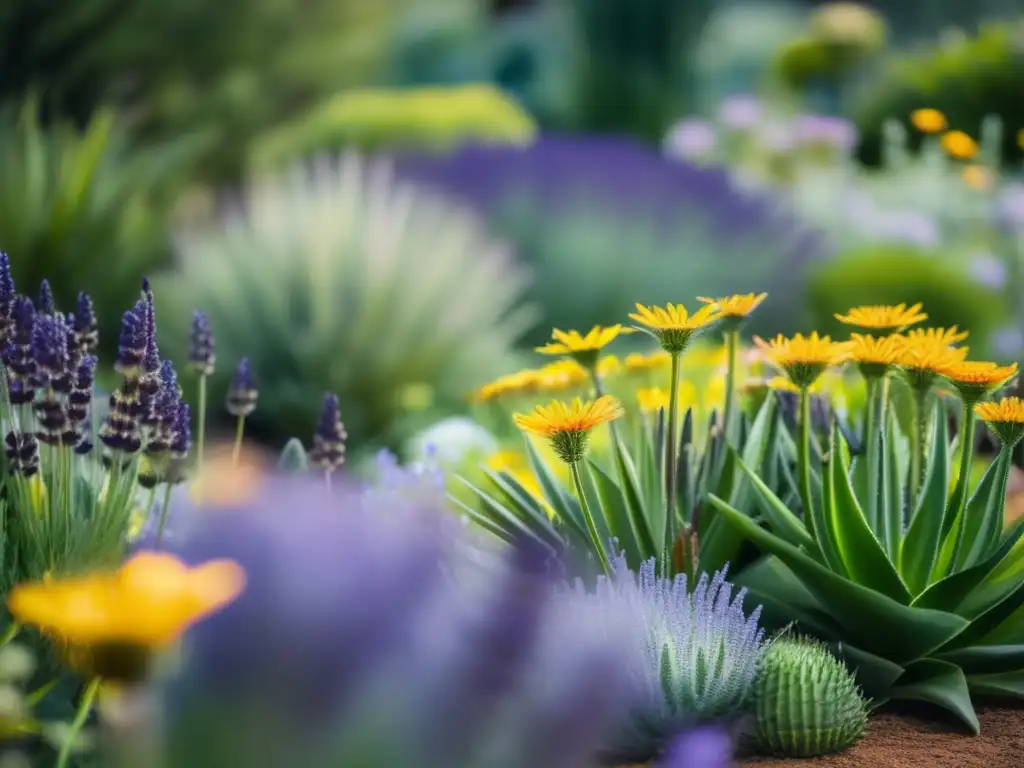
[588, 516]
[201, 424]
[84, 708]
[874, 423]
[969, 422]
[10, 633]
[731, 419]
[917, 456]
[41, 692]
[164, 507]
[236, 453]
[671, 466]
[804, 459]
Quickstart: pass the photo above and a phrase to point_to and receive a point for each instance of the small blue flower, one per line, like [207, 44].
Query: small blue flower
[46, 305]
[328, 451]
[242, 392]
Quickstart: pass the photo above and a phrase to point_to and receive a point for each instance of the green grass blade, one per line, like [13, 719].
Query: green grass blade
[984, 519]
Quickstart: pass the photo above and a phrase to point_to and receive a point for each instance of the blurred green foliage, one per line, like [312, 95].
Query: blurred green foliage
[338, 278]
[419, 118]
[893, 275]
[966, 78]
[225, 70]
[82, 210]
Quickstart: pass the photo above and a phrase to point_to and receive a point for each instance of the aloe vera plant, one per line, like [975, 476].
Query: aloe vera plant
[921, 592]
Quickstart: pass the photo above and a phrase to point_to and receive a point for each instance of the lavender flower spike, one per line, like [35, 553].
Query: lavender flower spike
[7, 300]
[131, 346]
[242, 392]
[47, 305]
[202, 349]
[328, 452]
[86, 326]
[50, 348]
[17, 354]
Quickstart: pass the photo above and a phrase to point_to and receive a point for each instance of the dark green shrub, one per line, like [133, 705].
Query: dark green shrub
[967, 78]
[873, 275]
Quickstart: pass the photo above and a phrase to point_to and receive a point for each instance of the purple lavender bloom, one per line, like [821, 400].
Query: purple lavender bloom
[328, 451]
[182, 441]
[8, 298]
[131, 345]
[741, 112]
[50, 348]
[697, 657]
[350, 646]
[86, 326]
[80, 397]
[202, 356]
[46, 304]
[706, 747]
[22, 451]
[988, 270]
[242, 392]
[691, 140]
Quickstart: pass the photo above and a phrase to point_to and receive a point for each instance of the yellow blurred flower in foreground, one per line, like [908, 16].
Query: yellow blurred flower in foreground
[223, 483]
[584, 348]
[568, 425]
[959, 145]
[883, 317]
[148, 603]
[802, 358]
[928, 120]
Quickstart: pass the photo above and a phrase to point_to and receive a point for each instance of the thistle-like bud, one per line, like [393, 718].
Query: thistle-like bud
[86, 327]
[131, 345]
[242, 393]
[22, 451]
[202, 355]
[7, 300]
[46, 304]
[17, 354]
[328, 452]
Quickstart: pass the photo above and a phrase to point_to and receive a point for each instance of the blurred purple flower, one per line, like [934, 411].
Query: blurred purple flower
[691, 139]
[1010, 207]
[779, 137]
[350, 646]
[988, 270]
[700, 748]
[836, 133]
[1008, 342]
[908, 227]
[740, 112]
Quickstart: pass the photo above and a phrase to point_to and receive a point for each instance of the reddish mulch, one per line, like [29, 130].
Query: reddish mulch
[910, 741]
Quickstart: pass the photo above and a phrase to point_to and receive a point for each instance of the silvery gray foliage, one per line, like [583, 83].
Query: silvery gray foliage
[697, 658]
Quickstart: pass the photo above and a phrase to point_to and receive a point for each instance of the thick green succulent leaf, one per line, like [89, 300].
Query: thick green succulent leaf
[522, 503]
[783, 598]
[614, 509]
[866, 561]
[986, 659]
[876, 675]
[1001, 684]
[921, 543]
[984, 519]
[632, 493]
[293, 458]
[495, 517]
[892, 483]
[720, 543]
[940, 683]
[869, 619]
[783, 522]
[999, 617]
[1007, 573]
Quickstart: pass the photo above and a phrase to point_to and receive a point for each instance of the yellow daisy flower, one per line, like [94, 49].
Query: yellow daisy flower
[802, 358]
[734, 309]
[959, 145]
[583, 348]
[672, 325]
[636, 362]
[928, 120]
[561, 375]
[654, 399]
[925, 353]
[874, 355]
[882, 317]
[568, 425]
[609, 365]
[518, 383]
[1005, 418]
[975, 379]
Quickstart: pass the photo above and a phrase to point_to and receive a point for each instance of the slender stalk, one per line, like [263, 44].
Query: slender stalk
[874, 423]
[41, 692]
[917, 456]
[969, 423]
[201, 424]
[671, 466]
[588, 517]
[804, 459]
[84, 708]
[731, 420]
[165, 505]
[236, 453]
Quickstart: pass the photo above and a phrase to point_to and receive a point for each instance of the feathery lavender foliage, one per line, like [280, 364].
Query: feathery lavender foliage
[350, 646]
[698, 658]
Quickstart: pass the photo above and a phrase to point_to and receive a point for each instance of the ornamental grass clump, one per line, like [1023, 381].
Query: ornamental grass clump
[697, 656]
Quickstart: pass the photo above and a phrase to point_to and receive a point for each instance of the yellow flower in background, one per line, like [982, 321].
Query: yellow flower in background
[975, 379]
[561, 375]
[654, 399]
[583, 348]
[874, 355]
[802, 358]
[148, 603]
[1005, 418]
[978, 177]
[513, 384]
[506, 461]
[636, 362]
[933, 337]
[711, 356]
[672, 325]
[959, 145]
[714, 393]
[609, 365]
[882, 317]
[928, 120]
[568, 425]
[737, 306]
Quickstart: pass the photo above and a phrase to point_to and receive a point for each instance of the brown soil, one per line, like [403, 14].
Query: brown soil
[911, 741]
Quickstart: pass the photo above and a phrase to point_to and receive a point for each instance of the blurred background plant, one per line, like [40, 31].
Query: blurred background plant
[338, 278]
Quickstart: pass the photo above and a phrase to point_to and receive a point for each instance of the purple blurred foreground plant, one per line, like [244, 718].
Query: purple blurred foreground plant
[352, 646]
